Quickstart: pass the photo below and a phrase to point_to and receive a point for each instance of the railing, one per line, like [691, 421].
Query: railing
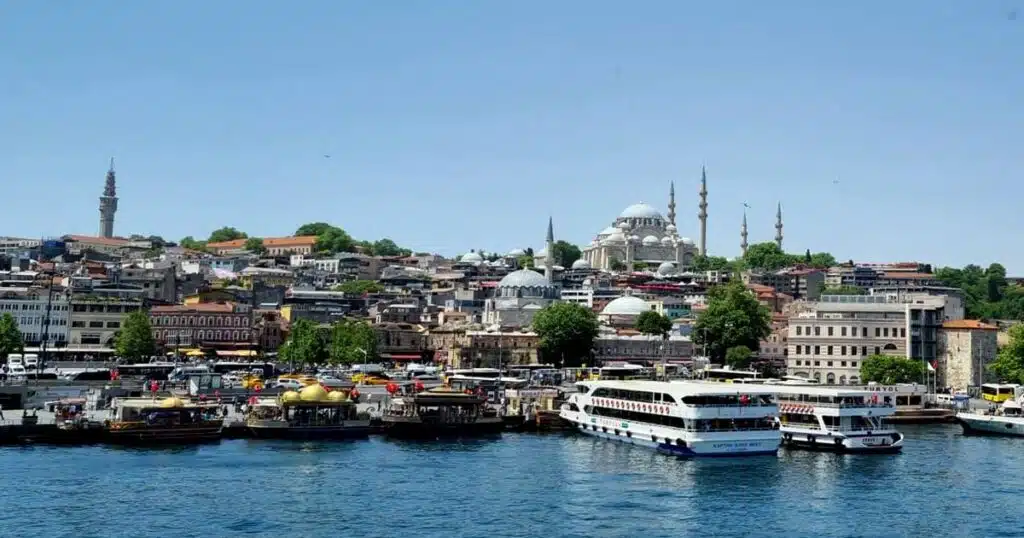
[817, 427]
[866, 405]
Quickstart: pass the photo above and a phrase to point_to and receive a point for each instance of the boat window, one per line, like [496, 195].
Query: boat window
[667, 398]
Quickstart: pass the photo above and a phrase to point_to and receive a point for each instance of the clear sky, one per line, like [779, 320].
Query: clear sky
[888, 130]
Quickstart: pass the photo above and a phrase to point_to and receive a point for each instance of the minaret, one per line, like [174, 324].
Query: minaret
[743, 234]
[108, 203]
[549, 260]
[672, 203]
[778, 226]
[703, 215]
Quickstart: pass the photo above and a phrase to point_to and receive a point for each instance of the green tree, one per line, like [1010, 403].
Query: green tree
[567, 332]
[565, 253]
[821, 260]
[808, 257]
[843, 290]
[640, 266]
[768, 256]
[387, 247]
[312, 228]
[889, 370]
[525, 261]
[995, 282]
[335, 240]
[616, 265]
[226, 233]
[710, 263]
[739, 357]
[190, 243]
[306, 344]
[987, 293]
[255, 245]
[135, 340]
[732, 318]
[10, 337]
[1009, 364]
[651, 322]
[353, 341]
[359, 287]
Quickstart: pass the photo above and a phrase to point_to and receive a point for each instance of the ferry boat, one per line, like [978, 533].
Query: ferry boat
[171, 420]
[1007, 420]
[836, 419]
[682, 418]
[441, 412]
[312, 413]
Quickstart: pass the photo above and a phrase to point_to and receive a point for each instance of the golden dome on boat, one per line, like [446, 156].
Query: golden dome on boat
[337, 396]
[173, 401]
[290, 396]
[313, 393]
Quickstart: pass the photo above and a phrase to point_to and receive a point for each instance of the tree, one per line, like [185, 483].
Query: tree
[808, 257]
[732, 318]
[190, 243]
[226, 233]
[651, 322]
[387, 247]
[11, 340]
[843, 290]
[567, 332]
[1009, 364]
[525, 261]
[987, 293]
[640, 266]
[306, 344]
[821, 260]
[359, 287]
[565, 253]
[255, 245]
[353, 341]
[767, 256]
[616, 265]
[889, 370]
[312, 228]
[710, 263]
[995, 282]
[738, 357]
[135, 340]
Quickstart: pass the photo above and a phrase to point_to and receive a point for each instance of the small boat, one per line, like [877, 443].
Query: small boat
[441, 412]
[534, 409]
[836, 419]
[1006, 420]
[312, 413]
[170, 420]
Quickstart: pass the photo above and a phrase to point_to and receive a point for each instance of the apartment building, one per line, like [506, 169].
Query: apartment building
[28, 306]
[96, 320]
[802, 283]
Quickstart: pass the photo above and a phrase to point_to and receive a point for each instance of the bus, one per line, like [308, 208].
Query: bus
[728, 375]
[1000, 392]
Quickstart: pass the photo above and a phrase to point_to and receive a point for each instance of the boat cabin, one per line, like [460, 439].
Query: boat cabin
[167, 412]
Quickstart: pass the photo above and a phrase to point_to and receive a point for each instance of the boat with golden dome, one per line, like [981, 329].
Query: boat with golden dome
[312, 413]
[441, 412]
[168, 420]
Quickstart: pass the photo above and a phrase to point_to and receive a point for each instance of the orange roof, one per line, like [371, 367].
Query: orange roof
[760, 288]
[909, 276]
[109, 241]
[299, 241]
[226, 308]
[970, 325]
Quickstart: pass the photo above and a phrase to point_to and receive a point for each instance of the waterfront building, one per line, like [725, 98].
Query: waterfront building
[28, 306]
[17, 245]
[96, 319]
[319, 306]
[966, 348]
[523, 293]
[158, 284]
[635, 348]
[222, 326]
[266, 276]
[401, 342]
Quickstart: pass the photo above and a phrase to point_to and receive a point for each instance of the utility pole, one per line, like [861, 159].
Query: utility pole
[46, 318]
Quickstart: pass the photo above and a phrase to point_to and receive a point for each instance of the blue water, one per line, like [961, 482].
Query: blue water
[943, 484]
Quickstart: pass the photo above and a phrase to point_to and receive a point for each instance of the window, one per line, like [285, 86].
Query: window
[878, 351]
[829, 350]
[903, 332]
[853, 364]
[817, 331]
[798, 330]
[829, 364]
[807, 350]
[885, 331]
[842, 350]
[843, 364]
[853, 331]
[878, 332]
[797, 353]
[842, 331]
[830, 331]
[817, 350]
[864, 350]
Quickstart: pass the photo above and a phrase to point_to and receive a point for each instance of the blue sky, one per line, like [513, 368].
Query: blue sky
[454, 125]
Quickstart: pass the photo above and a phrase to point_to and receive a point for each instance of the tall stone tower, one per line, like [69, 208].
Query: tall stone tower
[703, 215]
[672, 203]
[778, 226]
[108, 203]
[549, 260]
[743, 234]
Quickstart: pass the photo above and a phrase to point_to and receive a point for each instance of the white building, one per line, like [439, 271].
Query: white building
[639, 234]
[28, 307]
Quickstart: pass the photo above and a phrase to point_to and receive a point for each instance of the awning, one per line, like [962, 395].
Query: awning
[237, 353]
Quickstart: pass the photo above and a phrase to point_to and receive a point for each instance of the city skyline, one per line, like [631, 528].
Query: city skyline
[880, 147]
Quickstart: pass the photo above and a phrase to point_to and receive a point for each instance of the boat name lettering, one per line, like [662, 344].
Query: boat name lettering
[752, 444]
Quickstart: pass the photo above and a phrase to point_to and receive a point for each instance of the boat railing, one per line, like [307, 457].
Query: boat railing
[842, 429]
[865, 405]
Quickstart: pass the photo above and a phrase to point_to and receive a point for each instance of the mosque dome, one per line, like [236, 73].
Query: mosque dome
[640, 211]
[650, 241]
[471, 257]
[516, 252]
[626, 306]
[686, 241]
[608, 231]
[616, 238]
[581, 264]
[524, 278]
[670, 228]
[666, 241]
[290, 396]
[666, 268]
[313, 393]
[623, 226]
[173, 401]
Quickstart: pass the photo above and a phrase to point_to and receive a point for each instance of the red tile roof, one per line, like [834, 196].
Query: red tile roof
[108, 241]
[969, 325]
[899, 275]
[280, 242]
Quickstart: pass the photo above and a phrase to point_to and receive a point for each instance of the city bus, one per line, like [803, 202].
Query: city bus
[1000, 392]
[728, 375]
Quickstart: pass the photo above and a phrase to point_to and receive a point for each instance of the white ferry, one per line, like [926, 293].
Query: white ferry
[681, 418]
[843, 420]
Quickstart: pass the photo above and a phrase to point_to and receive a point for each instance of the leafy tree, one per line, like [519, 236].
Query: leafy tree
[387, 247]
[190, 243]
[889, 370]
[710, 263]
[135, 340]
[640, 266]
[525, 261]
[353, 341]
[821, 260]
[567, 332]
[1009, 364]
[987, 293]
[616, 265]
[739, 357]
[995, 282]
[808, 257]
[651, 322]
[313, 228]
[733, 318]
[306, 344]
[529, 251]
[843, 290]
[255, 245]
[335, 240]
[11, 340]
[226, 233]
[565, 253]
[767, 256]
[359, 287]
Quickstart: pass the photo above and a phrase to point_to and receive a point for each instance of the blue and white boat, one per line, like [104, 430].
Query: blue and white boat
[682, 418]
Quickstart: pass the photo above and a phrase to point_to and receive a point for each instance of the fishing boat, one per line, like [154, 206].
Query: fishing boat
[312, 413]
[440, 412]
[836, 419]
[686, 419]
[170, 420]
[1005, 420]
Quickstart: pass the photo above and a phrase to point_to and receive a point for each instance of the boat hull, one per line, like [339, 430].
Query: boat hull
[888, 442]
[693, 448]
[145, 436]
[974, 424]
[419, 430]
[359, 430]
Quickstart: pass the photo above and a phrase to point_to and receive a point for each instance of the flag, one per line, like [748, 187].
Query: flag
[932, 366]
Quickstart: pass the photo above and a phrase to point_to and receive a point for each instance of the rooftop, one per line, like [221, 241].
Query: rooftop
[969, 325]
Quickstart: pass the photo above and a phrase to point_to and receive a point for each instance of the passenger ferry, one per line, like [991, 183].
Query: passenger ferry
[682, 418]
[837, 419]
[171, 420]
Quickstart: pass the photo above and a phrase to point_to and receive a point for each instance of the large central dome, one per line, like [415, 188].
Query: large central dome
[640, 211]
[524, 278]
